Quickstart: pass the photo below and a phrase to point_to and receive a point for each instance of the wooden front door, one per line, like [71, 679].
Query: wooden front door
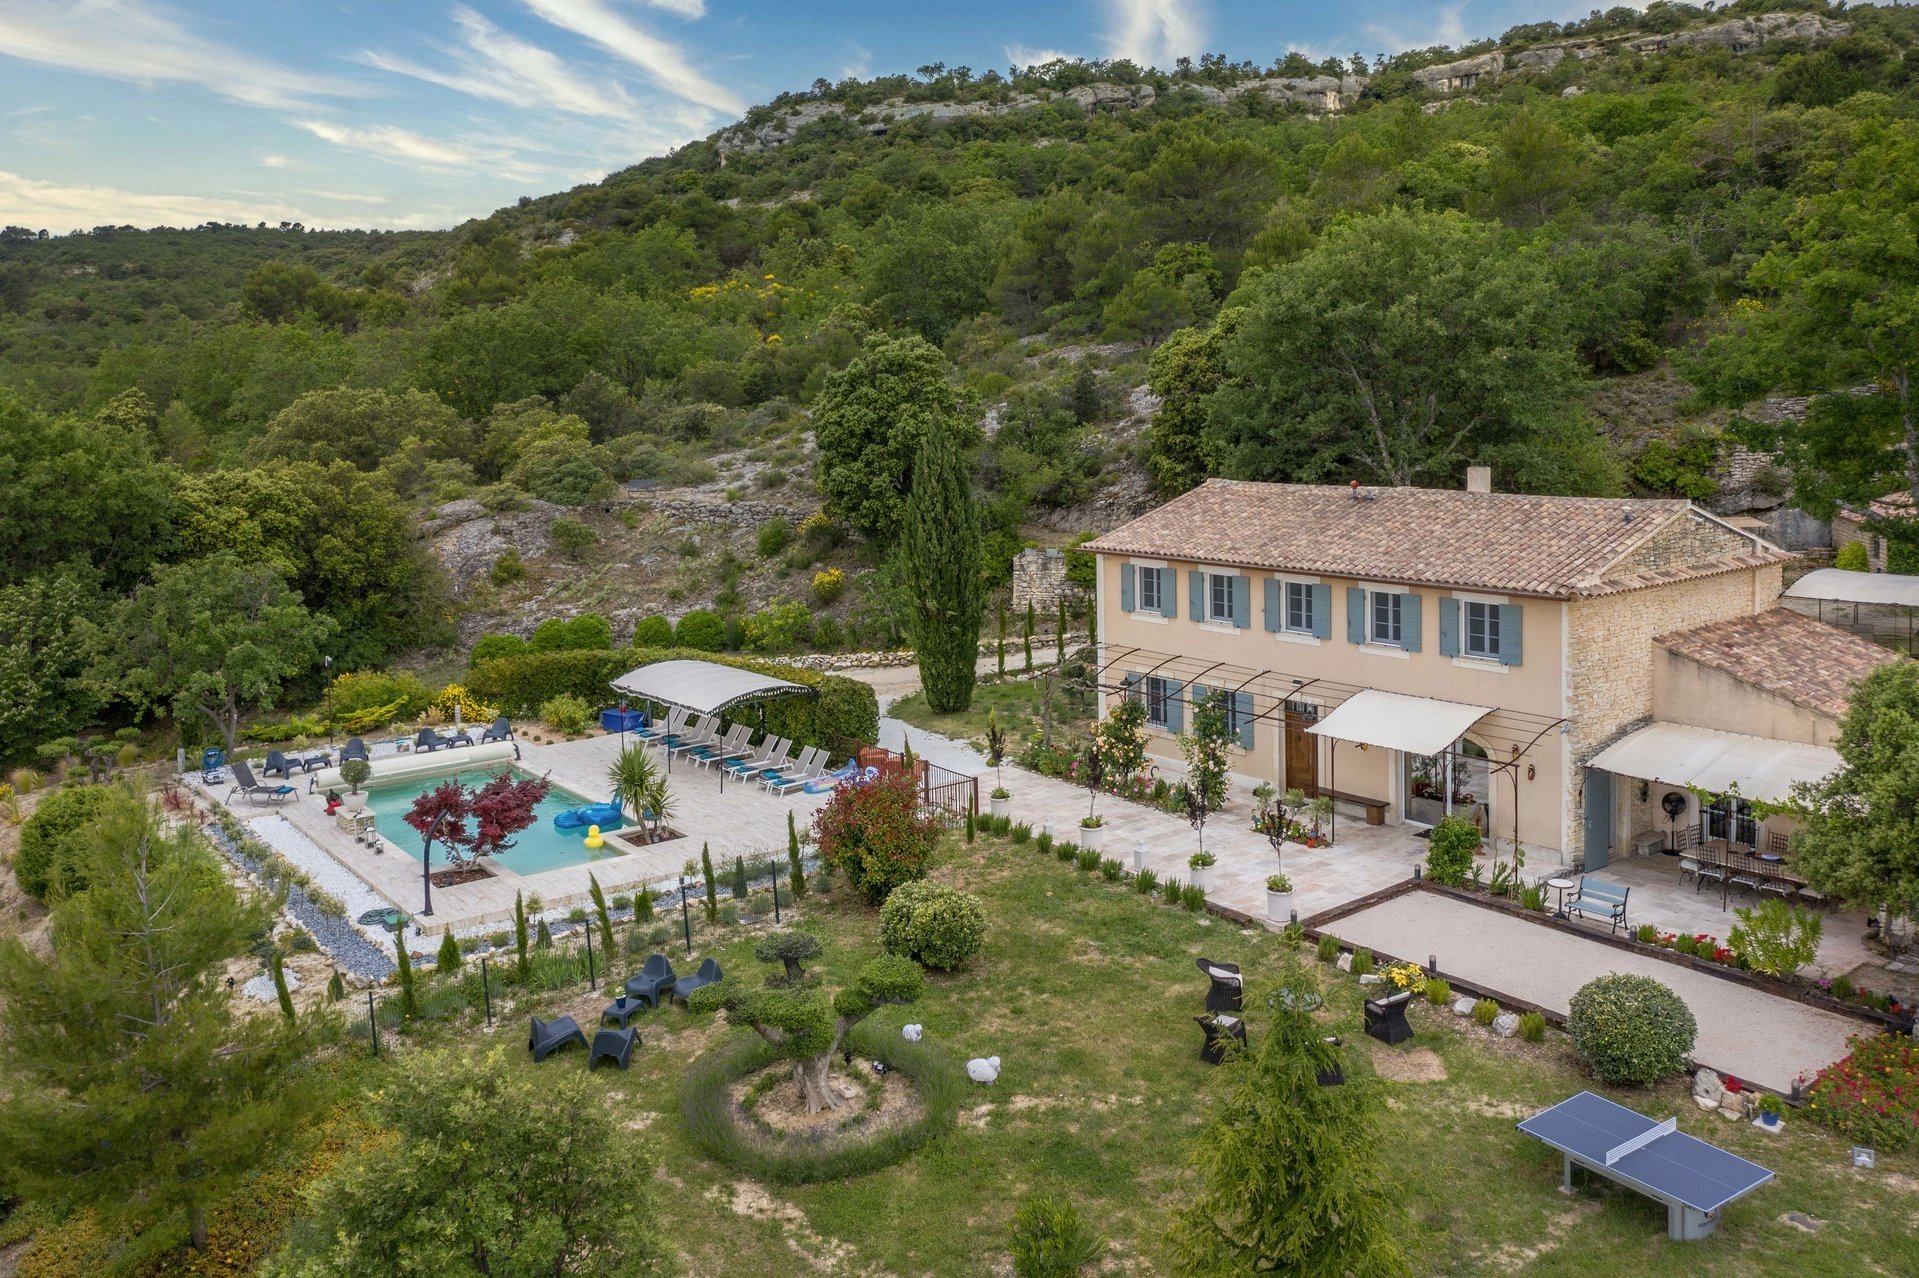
[1302, 748]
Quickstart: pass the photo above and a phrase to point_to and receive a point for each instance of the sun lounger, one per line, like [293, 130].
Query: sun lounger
[773, 755]
[696, 735]
[249, 785]
[807, 771]
[730, 746]
[660, 731]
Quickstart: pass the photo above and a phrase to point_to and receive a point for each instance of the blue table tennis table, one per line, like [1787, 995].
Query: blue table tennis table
[1694, 1179]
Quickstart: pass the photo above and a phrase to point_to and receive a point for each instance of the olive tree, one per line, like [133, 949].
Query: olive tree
[806, 1026]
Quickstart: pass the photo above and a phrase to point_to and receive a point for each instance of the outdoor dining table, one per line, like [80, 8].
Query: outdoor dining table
[1764, 866]
[621, 1010]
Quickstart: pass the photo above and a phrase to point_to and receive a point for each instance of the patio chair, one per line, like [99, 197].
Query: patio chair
[774, 755]
[809, 769]
[727, 747]
[548, 1037]
[698, 734]
[708, 974]
[1708, 867]
[1220, 1030]
[355, 748]
[657, 976]
[1811, 894]
[278, 764]
[1227, 993]
[1751, 880]
[660, 731]
[1386, 1017]
[244, 782]
[614, 1045]
[429, 741]
[1686, 843]
[501, 729]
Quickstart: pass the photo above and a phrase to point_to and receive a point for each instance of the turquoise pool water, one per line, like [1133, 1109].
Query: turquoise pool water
[539, 847]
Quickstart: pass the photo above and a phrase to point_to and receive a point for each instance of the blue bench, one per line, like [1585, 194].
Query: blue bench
[1597, 898]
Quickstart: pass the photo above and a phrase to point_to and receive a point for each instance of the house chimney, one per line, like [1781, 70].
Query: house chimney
[1479, 479]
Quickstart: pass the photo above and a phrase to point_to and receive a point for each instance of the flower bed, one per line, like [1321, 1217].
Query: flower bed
[1871, 1096]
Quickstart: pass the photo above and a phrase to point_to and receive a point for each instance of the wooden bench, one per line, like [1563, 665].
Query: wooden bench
[1597, 898]
[1375, 808]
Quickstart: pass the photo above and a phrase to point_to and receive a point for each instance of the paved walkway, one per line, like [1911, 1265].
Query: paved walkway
[1742, 1031]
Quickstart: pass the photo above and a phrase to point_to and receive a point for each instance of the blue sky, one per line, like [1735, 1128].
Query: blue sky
[422, 113]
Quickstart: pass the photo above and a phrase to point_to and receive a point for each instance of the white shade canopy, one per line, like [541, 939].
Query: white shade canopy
[1836, 585]
[1717, 762]
[1417, 725]
[704, 687]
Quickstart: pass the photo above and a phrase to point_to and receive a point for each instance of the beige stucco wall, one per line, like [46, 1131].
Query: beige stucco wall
[1684, 691]
[1534, 686]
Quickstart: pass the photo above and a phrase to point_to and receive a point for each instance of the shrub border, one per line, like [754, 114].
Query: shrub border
[714, 1130]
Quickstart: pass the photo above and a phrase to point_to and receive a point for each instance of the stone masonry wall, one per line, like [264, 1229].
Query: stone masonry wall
[1609, 657]
[1039, 576]
[1684, 541]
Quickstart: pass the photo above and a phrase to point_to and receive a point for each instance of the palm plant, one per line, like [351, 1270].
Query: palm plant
[639, 782]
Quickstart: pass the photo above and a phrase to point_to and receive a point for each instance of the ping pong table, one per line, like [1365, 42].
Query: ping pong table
[1694, 1179]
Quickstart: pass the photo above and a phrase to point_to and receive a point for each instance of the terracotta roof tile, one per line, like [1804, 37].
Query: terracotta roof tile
[1525, 544]
[1786, 653]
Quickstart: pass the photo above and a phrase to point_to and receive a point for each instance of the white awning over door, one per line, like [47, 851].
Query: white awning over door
[1395, 721]
[1717, 762]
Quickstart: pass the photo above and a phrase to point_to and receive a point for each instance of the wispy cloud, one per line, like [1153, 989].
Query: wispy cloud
[61, 207]
[1156, 32]
[1021, 56]
[685, 8]
[493, 64]
[138, 42]
[1448, 27]
[859, 62]
[667, 64]
[403, 146]
[274, 161]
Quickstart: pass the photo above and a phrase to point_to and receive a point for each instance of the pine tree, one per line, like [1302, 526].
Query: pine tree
[543, 937]
[1287, 1170]
[448, 961]
[1026, 636]
[519, 934]
[336, 987]
[643, 905]
[940, 557]
[134, 1088]
[712, 901]
[600, 912]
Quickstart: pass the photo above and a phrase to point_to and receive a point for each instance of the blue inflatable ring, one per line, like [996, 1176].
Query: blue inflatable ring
[591, 814]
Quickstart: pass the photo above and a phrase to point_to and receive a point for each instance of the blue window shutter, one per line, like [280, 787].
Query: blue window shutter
[1272, 604]
[1243, 706]
[1242, 602]
[1168, 593]
[1175, 711]
[1322, 611]
[1355, 615]
[1196, 583]
[1409, 622]
[1448, 627]
[1512, 634]
[1130, 683]
[1126, 576]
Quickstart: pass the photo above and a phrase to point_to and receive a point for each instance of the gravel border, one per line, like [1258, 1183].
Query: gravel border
[341, 940]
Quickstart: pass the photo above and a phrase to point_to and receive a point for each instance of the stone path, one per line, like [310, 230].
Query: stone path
[1742, 1031]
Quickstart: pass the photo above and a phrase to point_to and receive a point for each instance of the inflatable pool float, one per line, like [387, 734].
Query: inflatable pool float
[593, 837]
[591, 814]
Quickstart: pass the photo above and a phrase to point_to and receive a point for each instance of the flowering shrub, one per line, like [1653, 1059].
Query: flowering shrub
[876, 836]
[1406, 976]
[828, 583]
[1871, 1096]
[456, 697]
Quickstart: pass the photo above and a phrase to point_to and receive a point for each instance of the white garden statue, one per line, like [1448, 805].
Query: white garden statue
[983, 1069]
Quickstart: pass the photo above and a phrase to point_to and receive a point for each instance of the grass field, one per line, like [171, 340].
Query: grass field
[1016, 699]
[1086, 993]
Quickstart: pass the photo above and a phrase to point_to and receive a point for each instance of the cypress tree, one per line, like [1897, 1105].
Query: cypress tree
[1059, 635]
[336, 987]
[543, 938]
[279, 966]
[739, 878]
[409, 1006]
[940, 553]
[519, 934]
[999, 649]
[712, 901]
[643, 905]
[1026, 636]
[796, 868]
[449, 960]
[600, 912]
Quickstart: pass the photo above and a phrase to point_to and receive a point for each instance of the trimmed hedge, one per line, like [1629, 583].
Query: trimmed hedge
[1630, 1029]
[845, 709]
[937, 925]
[711, 1123]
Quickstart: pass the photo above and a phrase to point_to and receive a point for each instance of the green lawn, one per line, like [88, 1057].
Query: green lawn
[1017, 702]
[1086, 993]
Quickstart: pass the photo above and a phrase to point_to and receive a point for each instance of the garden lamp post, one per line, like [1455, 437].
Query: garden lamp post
[686, 918]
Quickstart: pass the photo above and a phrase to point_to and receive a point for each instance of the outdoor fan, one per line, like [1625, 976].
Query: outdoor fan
[1672, 804]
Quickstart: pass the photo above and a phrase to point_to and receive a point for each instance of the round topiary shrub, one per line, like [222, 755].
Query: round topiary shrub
[939, 926]
[48, 839]
[1631, 1029]
[653, 632]
[701, 629]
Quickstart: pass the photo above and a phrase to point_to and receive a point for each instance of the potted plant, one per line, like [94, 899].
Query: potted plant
[1092, 774]
[1002, 801]
[1320, 807]
[1279, 898]
[1771, 1110]
[355, 773]
[1201, 864]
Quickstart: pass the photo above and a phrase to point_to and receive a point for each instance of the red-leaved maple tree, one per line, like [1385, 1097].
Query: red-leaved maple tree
[473, 823]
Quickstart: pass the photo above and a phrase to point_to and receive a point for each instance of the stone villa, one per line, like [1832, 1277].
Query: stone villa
[1557, 668]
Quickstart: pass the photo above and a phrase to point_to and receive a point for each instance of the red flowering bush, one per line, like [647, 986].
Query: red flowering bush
[876, 836]
[1872, 1096]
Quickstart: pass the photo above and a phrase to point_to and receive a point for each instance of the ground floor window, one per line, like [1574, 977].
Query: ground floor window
[1731, 820]
[1458, 780]
[1159, 694]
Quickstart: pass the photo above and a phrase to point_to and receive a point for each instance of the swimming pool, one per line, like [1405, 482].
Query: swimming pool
[539, 847]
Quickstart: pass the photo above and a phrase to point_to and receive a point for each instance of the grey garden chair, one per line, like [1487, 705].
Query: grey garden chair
[548, 1037]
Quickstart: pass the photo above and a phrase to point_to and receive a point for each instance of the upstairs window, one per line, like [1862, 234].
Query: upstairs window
[1299, 607]
[1482, 630]
[1386, 616]
[1150, 588]
[1219, 597]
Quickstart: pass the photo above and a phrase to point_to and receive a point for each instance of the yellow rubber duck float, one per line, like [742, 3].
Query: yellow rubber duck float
[594, 839]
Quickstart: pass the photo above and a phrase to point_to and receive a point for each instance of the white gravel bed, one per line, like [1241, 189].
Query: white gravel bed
[327, 874]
